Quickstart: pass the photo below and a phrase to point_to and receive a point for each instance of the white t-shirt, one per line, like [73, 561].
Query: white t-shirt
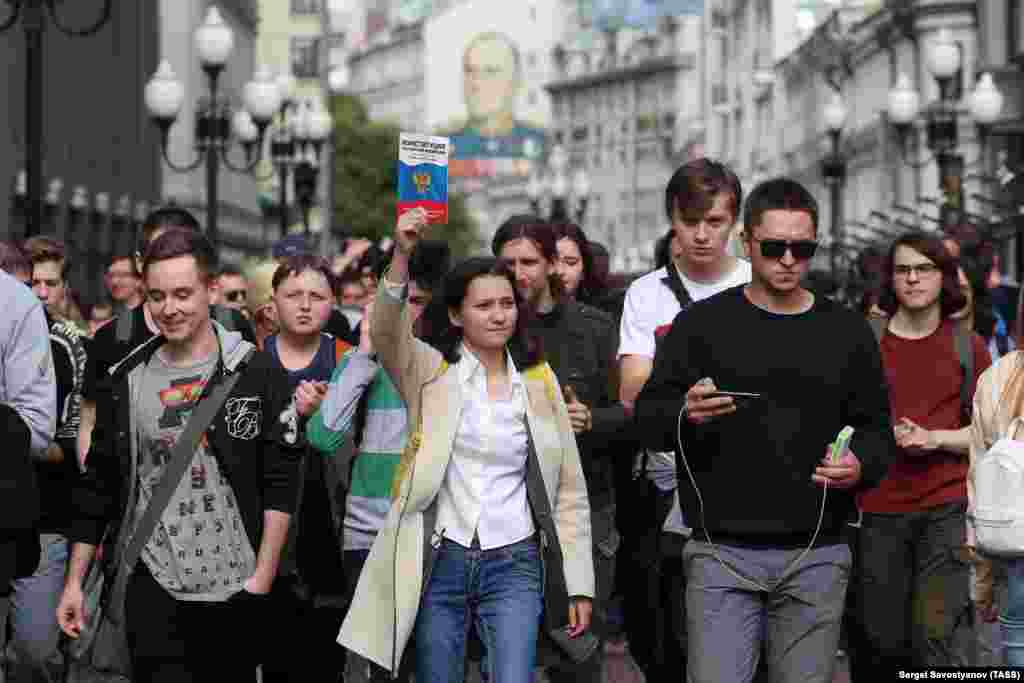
[650, 304]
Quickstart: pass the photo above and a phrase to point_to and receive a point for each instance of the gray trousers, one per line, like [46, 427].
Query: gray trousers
[797, 620]
[32, 655]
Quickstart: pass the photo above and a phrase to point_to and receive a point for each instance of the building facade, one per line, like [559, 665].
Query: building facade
[99, 149]
[627, 112]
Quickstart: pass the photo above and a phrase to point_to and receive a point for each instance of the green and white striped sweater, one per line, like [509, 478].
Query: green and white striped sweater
[383, 440]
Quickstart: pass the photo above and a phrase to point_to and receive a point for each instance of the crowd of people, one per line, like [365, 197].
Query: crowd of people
[391, 464]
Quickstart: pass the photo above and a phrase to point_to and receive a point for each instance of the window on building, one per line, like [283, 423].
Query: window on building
[579, 134]
[531, 98]
[305, 7]
[305, 57]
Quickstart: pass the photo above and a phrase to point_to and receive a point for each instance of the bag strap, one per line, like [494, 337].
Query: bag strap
[556, 594]
[962, 337]
[676, 286]
[125, 322]
[180, 458]
[879, 325]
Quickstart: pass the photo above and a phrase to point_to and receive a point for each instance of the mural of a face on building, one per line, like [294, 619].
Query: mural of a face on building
[490, 69]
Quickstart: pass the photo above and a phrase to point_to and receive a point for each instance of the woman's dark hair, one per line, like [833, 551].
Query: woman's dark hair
[590, 286]
[429, 262]
[695, 184]
[183, 242]
[977, 269]
[438, 330]
[951, 299]
[537, 231]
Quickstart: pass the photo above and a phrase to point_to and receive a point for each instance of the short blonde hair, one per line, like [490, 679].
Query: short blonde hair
[261, 286]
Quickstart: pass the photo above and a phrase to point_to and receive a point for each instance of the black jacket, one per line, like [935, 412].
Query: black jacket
[580, 343]
[263, 471]
[19, 501]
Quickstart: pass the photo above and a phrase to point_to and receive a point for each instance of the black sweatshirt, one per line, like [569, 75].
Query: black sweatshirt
[816, 372]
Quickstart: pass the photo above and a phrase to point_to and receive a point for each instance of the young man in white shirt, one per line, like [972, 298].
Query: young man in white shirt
[702, 202]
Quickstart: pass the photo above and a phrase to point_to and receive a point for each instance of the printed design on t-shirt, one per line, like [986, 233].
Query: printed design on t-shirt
[200, 550]
[244, 416]
[289, 417]
[179, 399]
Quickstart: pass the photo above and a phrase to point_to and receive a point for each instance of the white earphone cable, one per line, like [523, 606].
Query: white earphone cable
[703, 521]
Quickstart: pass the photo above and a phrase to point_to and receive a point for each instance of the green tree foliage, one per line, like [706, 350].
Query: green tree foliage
[365, 193]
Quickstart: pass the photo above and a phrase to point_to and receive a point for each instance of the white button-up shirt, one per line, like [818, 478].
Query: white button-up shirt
[484, 488]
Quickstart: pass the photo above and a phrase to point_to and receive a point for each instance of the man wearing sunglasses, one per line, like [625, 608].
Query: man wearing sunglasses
[233, 287]
[768, 560]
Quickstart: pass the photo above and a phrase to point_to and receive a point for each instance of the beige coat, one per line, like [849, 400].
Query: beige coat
[383, 613]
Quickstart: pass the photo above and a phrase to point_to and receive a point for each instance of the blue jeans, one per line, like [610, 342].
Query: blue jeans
[500, 592]
[33, 616]
[1011, 617]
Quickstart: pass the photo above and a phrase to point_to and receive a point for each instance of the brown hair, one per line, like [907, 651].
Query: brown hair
[695, 184]
[183, 242]
[951, 299]
[42, 249]
[536, 230]
[295, 265]
[13, 259]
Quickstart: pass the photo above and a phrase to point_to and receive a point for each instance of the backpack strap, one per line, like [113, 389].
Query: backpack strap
[879, 325]
[962, 338]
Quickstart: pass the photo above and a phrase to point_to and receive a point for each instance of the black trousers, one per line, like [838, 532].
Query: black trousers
[174, 641]
[650, 580]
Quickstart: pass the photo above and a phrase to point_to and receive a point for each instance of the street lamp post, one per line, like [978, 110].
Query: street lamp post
[298, 145]
[563, 193]
[33, 20]
[943, 58]
[215, 125]
[833, 170]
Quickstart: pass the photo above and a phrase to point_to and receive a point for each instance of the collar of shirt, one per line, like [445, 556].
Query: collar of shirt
[472, 372]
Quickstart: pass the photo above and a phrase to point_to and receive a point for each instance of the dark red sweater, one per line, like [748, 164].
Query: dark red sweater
[924, 378]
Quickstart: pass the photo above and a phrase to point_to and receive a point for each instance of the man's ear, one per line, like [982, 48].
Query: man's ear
[455, 317]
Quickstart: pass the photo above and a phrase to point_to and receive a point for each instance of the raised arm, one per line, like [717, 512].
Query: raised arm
[409, 362]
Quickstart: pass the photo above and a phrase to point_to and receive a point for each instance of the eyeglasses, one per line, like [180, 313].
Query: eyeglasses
[922, 270]
[802, 250]
[236, 296]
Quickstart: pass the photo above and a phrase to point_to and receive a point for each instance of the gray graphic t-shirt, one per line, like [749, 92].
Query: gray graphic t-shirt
[199, 550]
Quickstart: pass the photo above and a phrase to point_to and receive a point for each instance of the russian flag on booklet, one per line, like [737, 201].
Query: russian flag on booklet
[423, 175]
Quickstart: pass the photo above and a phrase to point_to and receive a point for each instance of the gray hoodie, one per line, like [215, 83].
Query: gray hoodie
[27, 381]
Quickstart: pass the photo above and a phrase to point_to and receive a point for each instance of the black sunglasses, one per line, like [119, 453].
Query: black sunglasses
[236, 296]
[802, 250]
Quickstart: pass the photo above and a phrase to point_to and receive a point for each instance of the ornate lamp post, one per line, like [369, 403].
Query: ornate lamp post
[215, 126]
[33, 20]
[557, 184]
[314, 127]
[833, 170]
[943, 59]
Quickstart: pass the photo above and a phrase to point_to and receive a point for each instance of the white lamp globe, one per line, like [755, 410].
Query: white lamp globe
[986, 102]
[835, 114]
[581, 184]
[943, 55]
[904, 102]
[214, 40]
[164, 94]
[261, 96]
[338, 78]
[320, 122]
[244, 127]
